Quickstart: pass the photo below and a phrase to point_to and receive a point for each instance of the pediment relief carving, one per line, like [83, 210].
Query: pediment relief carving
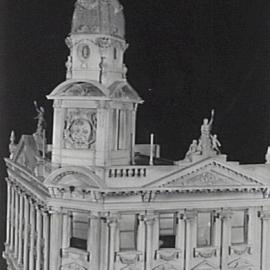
[204, 265]
[74, 177]
[240, 264]
[72, 266]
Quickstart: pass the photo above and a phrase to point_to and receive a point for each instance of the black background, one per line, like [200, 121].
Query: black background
[185, 58]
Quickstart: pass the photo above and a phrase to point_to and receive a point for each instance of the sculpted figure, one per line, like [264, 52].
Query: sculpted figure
[193, 150]
[207, 125]
[41, 125]
[215, 143]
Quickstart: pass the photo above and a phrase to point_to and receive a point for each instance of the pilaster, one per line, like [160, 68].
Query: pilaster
[12, 214]
[32, 236]
[66, 232]
[190, 217]
[55, 238]
[8, 223]
[94, 241]
[141, 234]
[265, 216]
[16, 223]
[38, 238]
[45, 217]
[112, 222]
[150, 222]
[104, 242]
[226, 216]
[180, 234]
[20, 248]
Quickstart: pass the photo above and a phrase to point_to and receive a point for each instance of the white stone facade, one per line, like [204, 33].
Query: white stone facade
[93, 200]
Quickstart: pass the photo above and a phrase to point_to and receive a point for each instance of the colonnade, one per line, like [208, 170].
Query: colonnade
[27, 231]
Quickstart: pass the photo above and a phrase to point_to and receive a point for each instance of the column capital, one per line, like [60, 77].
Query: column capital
[226, 214]
[265, 215]
[189, 215]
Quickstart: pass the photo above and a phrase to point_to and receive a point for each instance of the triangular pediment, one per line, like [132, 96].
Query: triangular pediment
[27, 154]
[207, 174]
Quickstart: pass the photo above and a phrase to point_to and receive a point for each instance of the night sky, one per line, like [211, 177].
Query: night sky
[185, 58]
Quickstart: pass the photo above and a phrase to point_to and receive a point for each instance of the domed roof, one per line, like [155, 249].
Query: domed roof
[99, 17]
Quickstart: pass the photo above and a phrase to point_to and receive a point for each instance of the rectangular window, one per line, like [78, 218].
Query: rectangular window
[167, 223]
[239, 229]
[79, 231]
[128, 227]
[204, 229]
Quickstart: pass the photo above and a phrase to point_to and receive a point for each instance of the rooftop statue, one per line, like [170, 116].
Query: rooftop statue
[12, 144]
[41, 125]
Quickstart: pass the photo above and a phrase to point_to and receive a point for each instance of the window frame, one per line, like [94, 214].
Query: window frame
[211, 229]
[174, 223]
[135, 232]
[245, 227]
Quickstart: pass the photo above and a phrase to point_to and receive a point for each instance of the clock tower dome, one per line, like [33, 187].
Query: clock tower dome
[95, 108]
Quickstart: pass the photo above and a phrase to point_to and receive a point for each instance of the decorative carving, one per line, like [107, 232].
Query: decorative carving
[88, 4]
[41, 125]
[80, 129]
[72, 266]
[69, 67]
[129, 258]
[239, 264]
[148, 196]
[205, 265]
[168, 254]
[239, 250]
[205, 253]
[12, 144]
[165, 267]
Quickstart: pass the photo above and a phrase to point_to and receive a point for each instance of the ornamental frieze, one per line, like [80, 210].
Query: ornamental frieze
[80, 129]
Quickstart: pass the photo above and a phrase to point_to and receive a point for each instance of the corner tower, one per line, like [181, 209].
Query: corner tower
[95, 108]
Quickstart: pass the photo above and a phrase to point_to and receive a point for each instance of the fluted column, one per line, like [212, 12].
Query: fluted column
[16, 223]
[26, 234]
[226, 216]
[190, 217]
[12, 213]
[265, 216]
[150, 221]
[112, 227]
[38, 237]
[8, 213]
[46, 240]
[32, 236]
[93, 241]
[21, 213]
[55, 239]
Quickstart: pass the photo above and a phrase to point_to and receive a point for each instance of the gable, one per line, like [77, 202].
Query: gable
[27, 154]
[208, 173]
[204, 265]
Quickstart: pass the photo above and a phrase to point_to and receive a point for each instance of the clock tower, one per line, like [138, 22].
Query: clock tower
[95, 108]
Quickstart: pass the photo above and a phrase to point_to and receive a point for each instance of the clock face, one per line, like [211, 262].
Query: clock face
[80, 131]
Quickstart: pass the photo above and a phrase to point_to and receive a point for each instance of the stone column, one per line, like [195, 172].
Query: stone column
[55, 239]
[112, 232]
[8, 229]
[12, 213]
[180, 235]
[190, 217]
[217, 232]
[66, 234]
[16, 223]
[46, 242]
[94, 241]
[26, 233]
[265, 216]
[150, 221]
[39, 238]
[141, 234]
[226, 216]
[20, 247]
[104, 242]
[32, 236]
